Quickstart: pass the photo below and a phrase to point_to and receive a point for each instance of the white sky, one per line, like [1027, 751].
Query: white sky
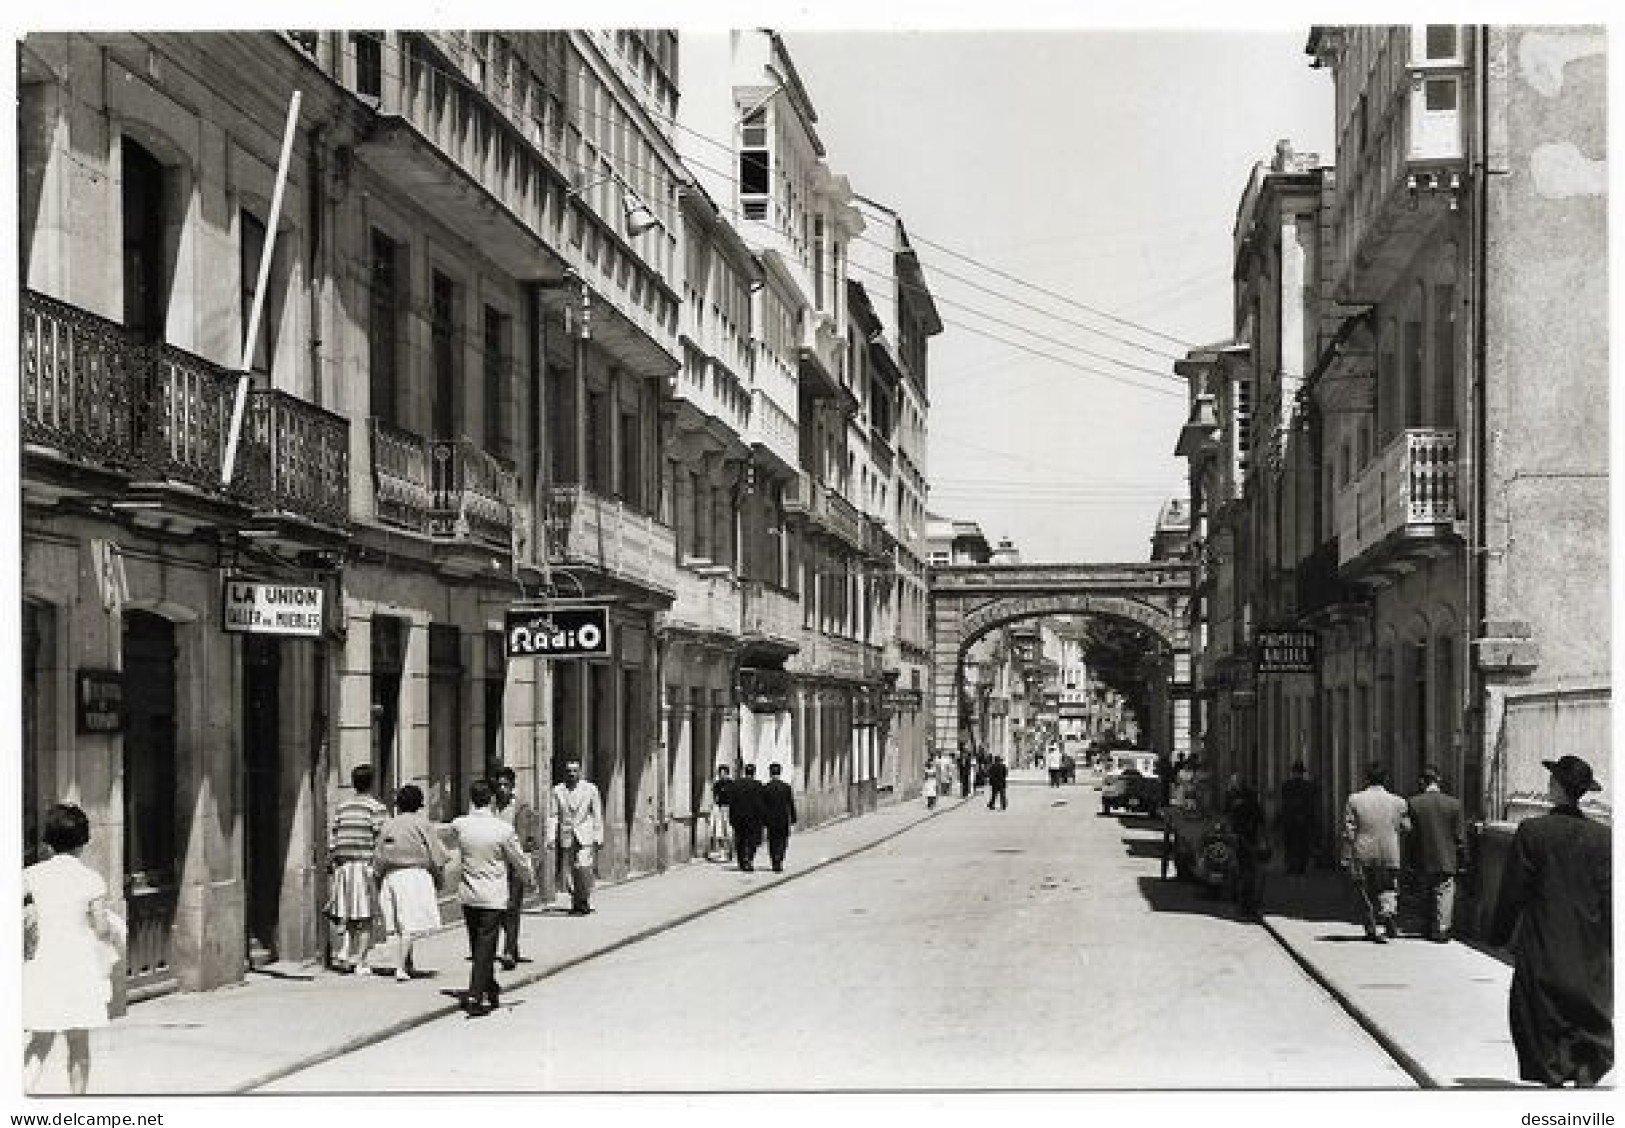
[1103, 165]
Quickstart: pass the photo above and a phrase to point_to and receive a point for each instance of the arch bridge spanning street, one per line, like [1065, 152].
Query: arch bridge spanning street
[968, 601]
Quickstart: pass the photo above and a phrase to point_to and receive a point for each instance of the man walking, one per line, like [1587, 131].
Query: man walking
[745, 809]
[1052, 761]
[721, 840]
[1440, 839]
[1373, 820]
[964, 765]
[1554, 906]
[778, 814]
[997, 776]
[490, 853]
[575, 830]
[522, 817]
[1297, 817]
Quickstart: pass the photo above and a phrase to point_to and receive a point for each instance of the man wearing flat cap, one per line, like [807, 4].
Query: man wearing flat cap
[1554, 908]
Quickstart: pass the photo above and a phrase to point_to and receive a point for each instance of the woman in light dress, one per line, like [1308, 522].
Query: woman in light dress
[929, 786]
[408, 859]
[76, 942]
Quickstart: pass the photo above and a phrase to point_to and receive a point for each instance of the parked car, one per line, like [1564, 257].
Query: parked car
[1131, 782]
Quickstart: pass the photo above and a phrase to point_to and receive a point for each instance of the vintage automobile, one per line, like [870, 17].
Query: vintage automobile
[1131, 782]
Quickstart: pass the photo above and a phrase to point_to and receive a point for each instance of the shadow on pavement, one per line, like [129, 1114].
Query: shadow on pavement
[1183, 897]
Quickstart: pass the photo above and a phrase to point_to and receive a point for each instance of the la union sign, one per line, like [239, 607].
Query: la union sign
[272, 609]
[558, 632]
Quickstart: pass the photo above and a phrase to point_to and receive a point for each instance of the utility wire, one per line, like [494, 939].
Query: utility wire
[727, 147]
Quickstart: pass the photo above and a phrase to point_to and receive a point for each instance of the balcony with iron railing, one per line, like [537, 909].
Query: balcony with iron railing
[451, 490]
[605, 534]
[1400, 507]
[105, 414]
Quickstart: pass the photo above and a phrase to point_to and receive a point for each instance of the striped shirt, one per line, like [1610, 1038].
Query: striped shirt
[356, 824]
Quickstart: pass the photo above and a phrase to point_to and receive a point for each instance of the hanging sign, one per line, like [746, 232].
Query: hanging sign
[558, 632]
[272, 609]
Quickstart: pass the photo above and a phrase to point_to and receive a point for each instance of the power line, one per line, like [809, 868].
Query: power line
[507, 84]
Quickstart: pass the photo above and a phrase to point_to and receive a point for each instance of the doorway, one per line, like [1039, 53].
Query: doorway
[262, 805]
[151, 880]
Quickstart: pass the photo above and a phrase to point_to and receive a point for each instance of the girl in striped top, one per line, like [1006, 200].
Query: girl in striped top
[352, 898]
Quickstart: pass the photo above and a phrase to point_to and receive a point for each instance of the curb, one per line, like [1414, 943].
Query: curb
[1392, 1048]
[445, 1010]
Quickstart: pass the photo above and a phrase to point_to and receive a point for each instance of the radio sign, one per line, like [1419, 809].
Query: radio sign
[272, 609]
[558, 632]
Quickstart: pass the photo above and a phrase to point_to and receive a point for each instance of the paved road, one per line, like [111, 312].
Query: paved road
[1028, 949]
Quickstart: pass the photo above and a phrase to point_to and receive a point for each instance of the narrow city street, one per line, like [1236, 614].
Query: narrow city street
[1034, 948]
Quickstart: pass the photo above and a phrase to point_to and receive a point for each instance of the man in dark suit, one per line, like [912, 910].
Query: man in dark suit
[1555, 907]
[745, 812]
[997, 776]
[1297, 818]
[1440, 837]
[778, 813]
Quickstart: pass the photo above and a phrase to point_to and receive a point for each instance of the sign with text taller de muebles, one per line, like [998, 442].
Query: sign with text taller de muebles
[1285, 652]
[557, 632]
[251, 607]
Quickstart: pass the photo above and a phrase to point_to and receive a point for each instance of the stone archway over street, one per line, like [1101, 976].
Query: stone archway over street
[968, 601]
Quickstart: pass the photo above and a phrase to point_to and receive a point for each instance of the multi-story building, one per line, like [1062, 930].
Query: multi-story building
[1467, 464]
[1389, 480]
[509, 350]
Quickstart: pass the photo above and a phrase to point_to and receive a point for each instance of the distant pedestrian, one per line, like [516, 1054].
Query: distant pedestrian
[746, 812]
[575, 830]
[1052, 761]
[1554, 908]
[1440, 838]
[1244, 815]
[778, 816]
[520, 815]
[963, 765]
[352, 899]
[76, 941]
[721, 841]
[408, 860]
[1373, 820]
[1297, 818]
[997, 776]
[979, 779]
[928, 784]
[489, 852]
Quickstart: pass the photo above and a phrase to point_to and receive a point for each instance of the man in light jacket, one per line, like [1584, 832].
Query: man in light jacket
[575, 830]
[490, 853]
[1373, 820]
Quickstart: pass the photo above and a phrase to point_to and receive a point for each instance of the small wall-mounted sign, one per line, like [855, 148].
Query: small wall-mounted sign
[250, 607]
[557, 632]
[1286, 652]
[99, 702]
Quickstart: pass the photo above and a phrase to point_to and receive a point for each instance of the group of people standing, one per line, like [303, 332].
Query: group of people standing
[744, 809]
[972, 770]
[390, 868]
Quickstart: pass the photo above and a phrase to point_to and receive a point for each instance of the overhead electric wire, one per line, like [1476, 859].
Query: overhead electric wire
[728, 177]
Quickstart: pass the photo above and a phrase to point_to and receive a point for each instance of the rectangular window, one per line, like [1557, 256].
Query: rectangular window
[1412, 344]
[443, 354]
[252, 246]
[498, 410]
[382, 328]
[755, 166]
[597, 443]
[369, 63]
[561, 423]
[1440, 94]
[1441, 40]
[631, 461]
[1444, 356]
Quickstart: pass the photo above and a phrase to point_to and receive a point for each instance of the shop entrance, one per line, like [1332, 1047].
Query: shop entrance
[151, 879]
[262, 767]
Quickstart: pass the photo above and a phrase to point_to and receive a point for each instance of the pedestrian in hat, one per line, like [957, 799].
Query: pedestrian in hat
[1297, 818]
[1441, 839]
[1554, 909]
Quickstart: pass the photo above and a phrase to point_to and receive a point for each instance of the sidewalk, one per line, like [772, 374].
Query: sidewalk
[1440, 1009]
[237, 1038]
